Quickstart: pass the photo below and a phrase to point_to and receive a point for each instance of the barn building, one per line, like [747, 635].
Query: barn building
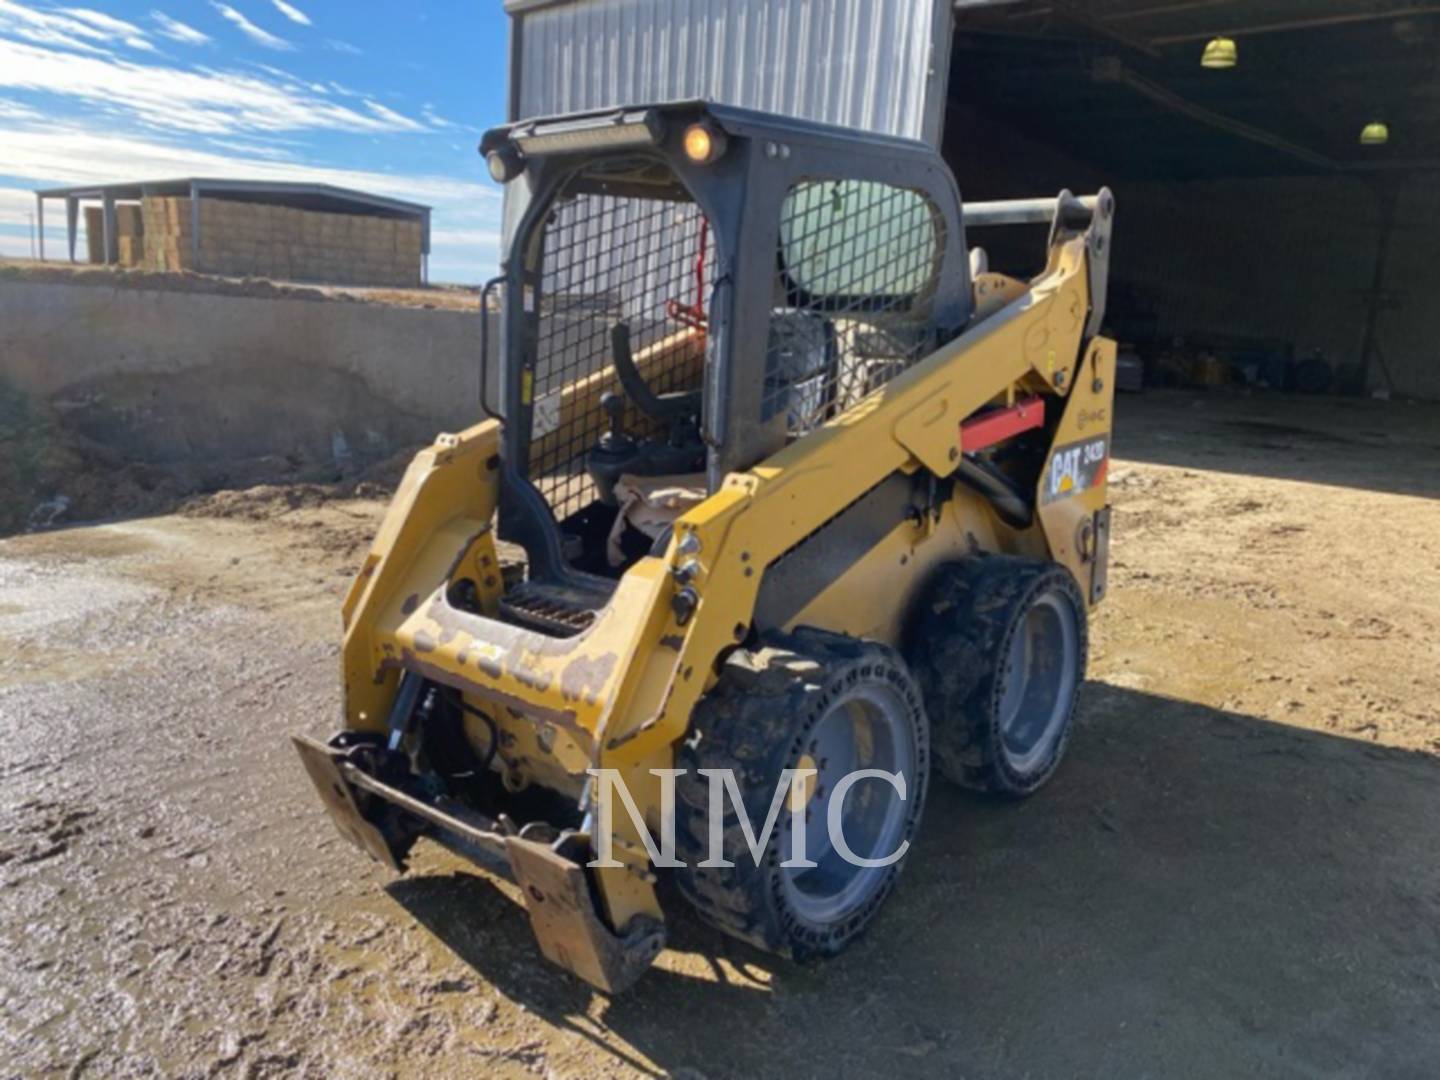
[245, 228]
[1274, 162]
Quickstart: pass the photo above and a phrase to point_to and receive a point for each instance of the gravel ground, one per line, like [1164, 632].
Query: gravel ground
[1237, 871]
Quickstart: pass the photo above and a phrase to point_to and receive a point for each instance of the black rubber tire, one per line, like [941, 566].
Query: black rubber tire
[757, 721]
[959, 638]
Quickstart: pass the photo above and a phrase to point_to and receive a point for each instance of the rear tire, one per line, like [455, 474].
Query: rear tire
[809, 699]
[999, 648]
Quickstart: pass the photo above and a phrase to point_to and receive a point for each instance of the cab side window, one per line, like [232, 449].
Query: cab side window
[857, 268]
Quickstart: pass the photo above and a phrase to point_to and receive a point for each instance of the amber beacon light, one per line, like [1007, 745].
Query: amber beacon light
[703, 144]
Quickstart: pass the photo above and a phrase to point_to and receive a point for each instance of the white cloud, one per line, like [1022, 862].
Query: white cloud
[176, 30]
[17, 217]
[390, 116]
[249, 29]
[13, 110]
[108, 24]
[77, 29]
[251, 149]
[205, 101]
[117, 29]
[488, 239]
[288, 81]
[15, 203]
[435, 120]
[16, 245]
[81, 156]
[343, 47]
[291, 12]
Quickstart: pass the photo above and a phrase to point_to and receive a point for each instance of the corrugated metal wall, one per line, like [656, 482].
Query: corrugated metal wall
[860, 63]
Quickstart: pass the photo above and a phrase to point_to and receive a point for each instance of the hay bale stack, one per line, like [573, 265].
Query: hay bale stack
[253, 239]
[94, 234]
[167, 228]
[256, 239]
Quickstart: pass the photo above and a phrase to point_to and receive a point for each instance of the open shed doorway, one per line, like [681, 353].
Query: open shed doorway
[1258, 241]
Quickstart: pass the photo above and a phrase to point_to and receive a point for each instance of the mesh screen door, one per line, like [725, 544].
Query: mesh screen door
[858, 268]
[610, 258]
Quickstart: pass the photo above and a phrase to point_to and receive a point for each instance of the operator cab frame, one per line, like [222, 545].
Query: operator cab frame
[688, 287]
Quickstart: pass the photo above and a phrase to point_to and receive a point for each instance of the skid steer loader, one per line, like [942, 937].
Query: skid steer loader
[803, 501]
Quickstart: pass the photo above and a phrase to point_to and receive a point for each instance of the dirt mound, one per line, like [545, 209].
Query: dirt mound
[263, 502]
[267, 501]
[117, 278]
[51, 477]
[203, 444]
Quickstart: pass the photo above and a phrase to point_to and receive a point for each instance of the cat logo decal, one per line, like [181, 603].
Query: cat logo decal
[1075, 468]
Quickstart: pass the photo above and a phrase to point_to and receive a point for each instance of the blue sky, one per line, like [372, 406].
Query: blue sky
[387, 97]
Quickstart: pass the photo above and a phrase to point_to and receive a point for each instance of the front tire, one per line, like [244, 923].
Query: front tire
[816, 700]
[999, 648]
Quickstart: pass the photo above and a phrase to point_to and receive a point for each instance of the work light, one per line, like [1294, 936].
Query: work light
[703, 144]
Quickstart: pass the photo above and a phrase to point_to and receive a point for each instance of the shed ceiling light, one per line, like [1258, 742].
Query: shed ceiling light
[1375, 133]
[1220, 53]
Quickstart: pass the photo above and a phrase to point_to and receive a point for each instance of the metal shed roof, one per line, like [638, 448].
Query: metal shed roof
[302, 196]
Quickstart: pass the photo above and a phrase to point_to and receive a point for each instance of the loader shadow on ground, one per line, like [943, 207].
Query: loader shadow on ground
[1388, 446]
[1198, 892]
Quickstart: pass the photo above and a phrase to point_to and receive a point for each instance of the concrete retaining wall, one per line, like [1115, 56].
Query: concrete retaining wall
[181, 376]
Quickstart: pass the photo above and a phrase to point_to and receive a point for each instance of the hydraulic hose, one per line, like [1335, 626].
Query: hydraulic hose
[1001, 492]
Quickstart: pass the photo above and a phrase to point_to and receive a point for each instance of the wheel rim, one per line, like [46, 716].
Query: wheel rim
[870, 729]
[1039, 682]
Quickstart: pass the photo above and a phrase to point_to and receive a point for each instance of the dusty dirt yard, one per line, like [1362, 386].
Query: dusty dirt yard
[1236, 873]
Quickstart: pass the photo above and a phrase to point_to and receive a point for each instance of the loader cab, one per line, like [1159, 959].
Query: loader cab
[690, 287]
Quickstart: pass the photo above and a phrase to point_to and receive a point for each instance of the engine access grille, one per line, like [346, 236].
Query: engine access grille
[606, 259]
[858, 267]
